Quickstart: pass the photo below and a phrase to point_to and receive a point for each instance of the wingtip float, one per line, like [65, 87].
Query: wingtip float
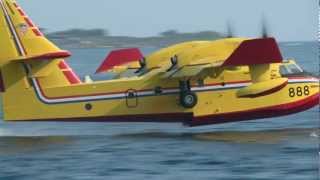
[196, 83]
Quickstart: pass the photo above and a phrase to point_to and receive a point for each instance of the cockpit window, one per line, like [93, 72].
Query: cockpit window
[289, 69]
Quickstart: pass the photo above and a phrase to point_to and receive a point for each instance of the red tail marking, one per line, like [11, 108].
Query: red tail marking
[21, 12]
[72, 77]
[63, 65]
[29, 22]
[15, 5]
[37, 32]
[120, 57]
[255, 51]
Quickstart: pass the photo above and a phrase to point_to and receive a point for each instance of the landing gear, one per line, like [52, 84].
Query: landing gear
[188, 99]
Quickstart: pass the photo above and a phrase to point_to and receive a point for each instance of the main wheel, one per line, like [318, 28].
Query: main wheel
[188, 99]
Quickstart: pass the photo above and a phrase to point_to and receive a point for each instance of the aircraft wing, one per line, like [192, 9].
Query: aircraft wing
[191, 70]
[258, 54]
[249, 53]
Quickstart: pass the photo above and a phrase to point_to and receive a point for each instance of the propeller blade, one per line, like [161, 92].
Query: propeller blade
[230, 31]
[264, 28]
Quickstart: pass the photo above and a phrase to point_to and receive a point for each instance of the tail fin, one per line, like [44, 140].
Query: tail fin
[21, 38]
[8, 48]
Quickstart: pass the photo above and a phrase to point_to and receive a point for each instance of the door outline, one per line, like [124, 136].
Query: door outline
[132, 98]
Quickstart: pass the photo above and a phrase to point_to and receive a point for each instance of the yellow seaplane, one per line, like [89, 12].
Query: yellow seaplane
[196, 83]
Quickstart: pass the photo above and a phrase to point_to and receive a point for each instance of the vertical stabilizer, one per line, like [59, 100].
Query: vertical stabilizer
[8, 47]
[22, 34]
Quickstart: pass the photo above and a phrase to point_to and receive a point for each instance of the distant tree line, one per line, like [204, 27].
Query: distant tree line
[79, 33]
[102, 38]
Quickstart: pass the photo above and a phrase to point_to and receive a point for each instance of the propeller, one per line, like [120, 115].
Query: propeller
[230, 30]
[265, 31]
[264, 28]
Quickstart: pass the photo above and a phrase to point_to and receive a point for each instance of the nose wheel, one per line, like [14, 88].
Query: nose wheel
[188, 99]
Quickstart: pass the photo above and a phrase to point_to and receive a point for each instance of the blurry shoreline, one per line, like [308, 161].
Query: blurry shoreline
[99, 38]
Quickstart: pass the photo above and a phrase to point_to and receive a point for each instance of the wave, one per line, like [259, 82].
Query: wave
[263, 136]
[294, 44]
[315, 134]
[302, 43]
[4, 132]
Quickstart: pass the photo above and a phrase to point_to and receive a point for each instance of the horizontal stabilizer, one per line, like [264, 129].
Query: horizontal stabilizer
[48, 56]
[254, 52]
[120, 57]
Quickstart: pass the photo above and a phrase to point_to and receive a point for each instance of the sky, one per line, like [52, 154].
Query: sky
[287, 20]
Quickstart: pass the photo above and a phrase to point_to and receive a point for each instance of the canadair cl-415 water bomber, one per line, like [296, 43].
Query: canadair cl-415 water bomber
[196, 83]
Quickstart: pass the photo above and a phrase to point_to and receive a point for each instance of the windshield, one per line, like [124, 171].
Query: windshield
[289, 69]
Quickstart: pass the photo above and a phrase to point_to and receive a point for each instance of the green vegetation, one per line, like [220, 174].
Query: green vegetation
[93, 38]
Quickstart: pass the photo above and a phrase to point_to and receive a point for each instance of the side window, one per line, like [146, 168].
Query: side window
[283, 70]
[295, 69]
[289, 69]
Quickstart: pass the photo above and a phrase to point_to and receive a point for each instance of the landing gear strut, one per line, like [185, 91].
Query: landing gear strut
[188, 99]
